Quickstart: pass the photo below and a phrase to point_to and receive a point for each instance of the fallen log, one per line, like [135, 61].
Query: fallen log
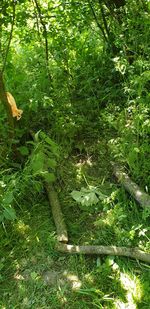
[61, 229]
[139, 195]
[133, 253]
[62, 234]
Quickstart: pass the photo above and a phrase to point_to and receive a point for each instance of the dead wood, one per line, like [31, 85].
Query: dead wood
[140, 196]
[133, 253]
[62, 234]
[61, 229]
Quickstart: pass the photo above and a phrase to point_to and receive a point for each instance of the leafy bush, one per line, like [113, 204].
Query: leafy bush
[41, 163]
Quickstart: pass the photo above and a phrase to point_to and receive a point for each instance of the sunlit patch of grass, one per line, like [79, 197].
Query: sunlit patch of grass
[132, 285]
[86, 282]
[73, 280]
[133, 288]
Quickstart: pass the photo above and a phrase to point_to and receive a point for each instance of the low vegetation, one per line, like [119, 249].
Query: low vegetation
[79, 75]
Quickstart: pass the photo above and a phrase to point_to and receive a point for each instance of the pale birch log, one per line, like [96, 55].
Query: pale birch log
[138, 194]
[61, 229]
[133, 253]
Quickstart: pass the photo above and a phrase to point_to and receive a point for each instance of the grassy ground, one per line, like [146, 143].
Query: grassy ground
[34, 275]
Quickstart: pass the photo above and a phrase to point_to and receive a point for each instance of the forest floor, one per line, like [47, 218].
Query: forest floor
[35, 275]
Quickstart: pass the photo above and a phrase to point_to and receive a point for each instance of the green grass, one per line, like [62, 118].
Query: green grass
[34, 275]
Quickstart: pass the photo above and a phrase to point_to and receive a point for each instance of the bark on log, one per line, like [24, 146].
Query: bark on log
[62, 235]
[140, 196]
[133, 253]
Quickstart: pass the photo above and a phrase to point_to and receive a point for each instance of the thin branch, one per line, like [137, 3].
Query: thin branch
[37, 20]
[10, 37]
[45, 37]
[97, 22]
[104, 18]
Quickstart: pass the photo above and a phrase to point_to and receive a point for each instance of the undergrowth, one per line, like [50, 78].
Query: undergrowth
[34, 274]
[80, 73]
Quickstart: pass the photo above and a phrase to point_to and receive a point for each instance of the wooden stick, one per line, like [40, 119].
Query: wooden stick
[62, 235]
[140, 196]
[133, 253]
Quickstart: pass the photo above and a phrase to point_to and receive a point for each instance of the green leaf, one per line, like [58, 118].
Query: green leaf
[49, 177]
[38, 186]
[47, 138]
[8, 198]
[1, 217]
[51, 163]
[1, 265]
[9, 213]
[36, 136]
[53, 147]
[87, 197]
[34, 275]
[38, 162]
[76, 195]
[23, 150]
[101, 196]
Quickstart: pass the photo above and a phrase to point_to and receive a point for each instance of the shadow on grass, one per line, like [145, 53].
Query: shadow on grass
[34, 275]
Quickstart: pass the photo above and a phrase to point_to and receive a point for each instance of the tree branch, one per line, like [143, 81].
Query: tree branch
[97, 22]
[62, 235]
[140, 196]
[133, 253]
[45, 37]
[104, 18]
[10, 37]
